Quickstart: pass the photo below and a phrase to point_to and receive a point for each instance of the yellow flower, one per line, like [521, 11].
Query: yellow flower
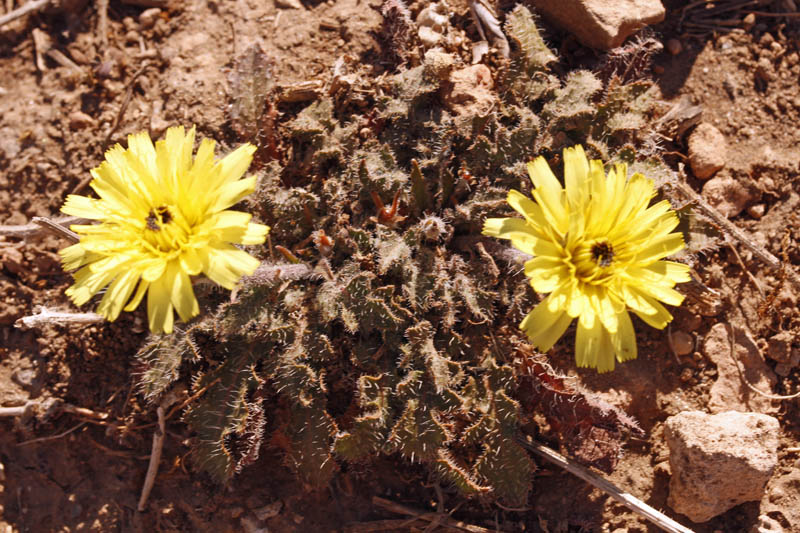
[163, 217]
[597, 250]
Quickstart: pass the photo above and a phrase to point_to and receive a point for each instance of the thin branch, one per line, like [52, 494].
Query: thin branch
[443, 519]
[21, 410]
[732, 230]
[47, 317]
[55, 227]
[628, 500]
[21, 11]
[53, 437]
[155, 459]
[38, 226]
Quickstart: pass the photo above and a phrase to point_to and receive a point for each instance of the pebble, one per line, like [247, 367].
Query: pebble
[726, 195]
[748, 21]
[756, 211]
[707, 150]
[79, 120]
[674, 47]
[682, 342]
[148, 17]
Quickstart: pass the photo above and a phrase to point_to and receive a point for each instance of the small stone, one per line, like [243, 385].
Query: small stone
[79, 120]
[707, 151]
[719, 461]
[268, 511]
[756, 211]
[767, 525]
[428, 36]
[682, 342]
[726, 195]
[674, 47]
[439, 63]
[749, 21]
[765, 70]
[471, 91]
[148, 17]
[780, 347]
[686, 375]
[289, 4]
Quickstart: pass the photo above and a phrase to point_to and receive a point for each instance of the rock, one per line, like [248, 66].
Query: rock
[782, 501]
[726, 195]
[439, 63]
[289, 4]
[601, 24]
[757, 211]
[728, 392]
[682, 342]
[674, 47]
[748, 21]
[707, 151]
[148, 17]
[780, 347]
[79, 120]
[719, 461]
[767, 525]
[471, 91]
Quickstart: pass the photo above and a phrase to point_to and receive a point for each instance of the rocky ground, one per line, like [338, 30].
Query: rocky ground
[75, 81]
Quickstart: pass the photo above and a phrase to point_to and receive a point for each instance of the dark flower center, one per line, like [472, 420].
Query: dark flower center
[158, 218]
[602, 253]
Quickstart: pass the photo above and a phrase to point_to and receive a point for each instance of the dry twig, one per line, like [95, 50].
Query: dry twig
[47, 317]
[21, 11]
[40, 225]
[443, 519]
[730, 229]
[155, 459]
[628, 500]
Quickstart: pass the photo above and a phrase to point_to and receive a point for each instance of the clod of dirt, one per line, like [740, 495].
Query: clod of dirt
[471, 91]
[780, 347]
[707, 151]
[674, 47]
[439, 63]
[599, 23]
[728, 392]
[782, 502]
[682, 342]
[719, 461]
[726, 195]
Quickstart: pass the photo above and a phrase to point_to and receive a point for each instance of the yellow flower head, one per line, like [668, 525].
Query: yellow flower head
[163, 217]
[597, 250]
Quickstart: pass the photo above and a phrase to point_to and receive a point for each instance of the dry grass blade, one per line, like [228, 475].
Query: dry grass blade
[628, 500]
[30, 7]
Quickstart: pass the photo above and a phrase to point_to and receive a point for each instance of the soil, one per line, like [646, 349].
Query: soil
[82, 470]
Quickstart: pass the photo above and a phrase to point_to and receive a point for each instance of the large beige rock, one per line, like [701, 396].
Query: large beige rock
[719, 461]
[601, 24]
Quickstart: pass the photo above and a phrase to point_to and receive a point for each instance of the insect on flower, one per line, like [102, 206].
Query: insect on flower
[597, 248]
[162, 217]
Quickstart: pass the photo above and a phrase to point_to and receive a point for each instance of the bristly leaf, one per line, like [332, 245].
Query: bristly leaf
[228, 419]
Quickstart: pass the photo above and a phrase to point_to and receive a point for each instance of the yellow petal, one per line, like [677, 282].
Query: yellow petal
[576, 177]
[548, 194]
[593, 346]
[545, 327]
[231, 193]
[159, 306]
[624, 340]
[182, 294]
[117, 294]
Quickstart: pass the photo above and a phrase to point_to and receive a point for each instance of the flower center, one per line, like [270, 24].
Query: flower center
[593, 261]
[602, 253]
[165, 230]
